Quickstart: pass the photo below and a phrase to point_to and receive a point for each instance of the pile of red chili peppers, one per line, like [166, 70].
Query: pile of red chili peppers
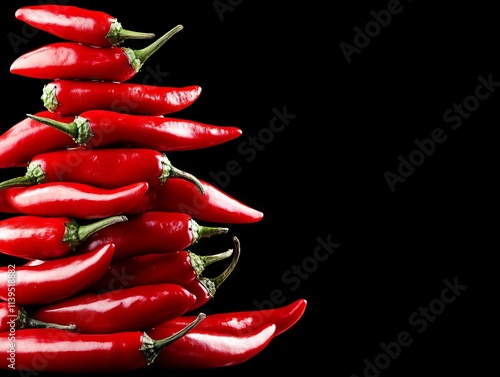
[97, 232]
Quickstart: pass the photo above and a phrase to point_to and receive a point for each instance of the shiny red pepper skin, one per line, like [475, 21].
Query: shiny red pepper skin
[56, 279]
[201, 349]
[180, 267]
[28, 138]
[70, 97]
[55, 350]
[214, 205]
[225, 339]
[41, 237]
[104, 128]
[150, 232]
[69, 199]
[77, 24]
[128, 309]
[243, 322]
[109, 168]
[72, 60]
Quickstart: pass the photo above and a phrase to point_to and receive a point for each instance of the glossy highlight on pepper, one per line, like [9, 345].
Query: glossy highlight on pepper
[69, 199]
[91, 27]
[215, 205]
[104, 128]
[127, 309]
[86, 353]
[41, 237]
[56, 279]
[152, 232]
[28, 138]
[70, 97]
[180, 267]
[109, 168]
[72, 60]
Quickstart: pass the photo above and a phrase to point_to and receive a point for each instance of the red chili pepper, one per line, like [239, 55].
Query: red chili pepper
[72, 60]
[243, 322]
[29, 137]
[180, 267]
[109, 168]
[151, 233]
[55, 279]
[40, 237]
[202, 349]
[204, 288]
[70, 97]
[69, 199]
[54, 350]
[103, 128]
[214, 205]
[14, 317]
[128, 309]
[77, 24]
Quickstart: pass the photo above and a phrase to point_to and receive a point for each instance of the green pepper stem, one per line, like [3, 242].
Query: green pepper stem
[160, 344]
[34, 175]
[25, 321]
[201, 231]
[137, 58]
[224, 275]
[212, 284]
[79, 129]
[85, 231]
[170, 171]
[68, 128]
[200, 262]
[76, 233]
[130, 34]
[18, 181]
[151, 348]
[117, 34]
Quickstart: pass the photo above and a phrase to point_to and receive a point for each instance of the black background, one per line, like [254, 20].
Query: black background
[322, 176]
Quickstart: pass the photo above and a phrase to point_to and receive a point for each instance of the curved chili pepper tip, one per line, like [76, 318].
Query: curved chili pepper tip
[151, 348]
[25, 321]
